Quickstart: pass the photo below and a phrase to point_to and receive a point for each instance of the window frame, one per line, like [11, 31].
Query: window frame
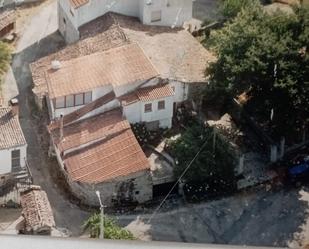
[160, 107]
[15, 158]
[146, 110]
[83, 100]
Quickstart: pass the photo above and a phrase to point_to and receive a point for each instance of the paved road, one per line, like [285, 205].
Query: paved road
[30, 47]
[262, 218]
[259, 219]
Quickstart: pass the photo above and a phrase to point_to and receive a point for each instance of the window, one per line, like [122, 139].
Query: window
[79, 99]
[60, 102]
[69, 101]
[64, 21]
[148, 108]
[73, 100]
[88, 97]
[15, 158]
[173, 88]
[161, 105]
[156, 16]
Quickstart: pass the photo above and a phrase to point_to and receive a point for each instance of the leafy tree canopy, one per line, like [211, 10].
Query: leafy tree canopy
[268, 57]
[230, 8]
[214, 162]
[111, 229]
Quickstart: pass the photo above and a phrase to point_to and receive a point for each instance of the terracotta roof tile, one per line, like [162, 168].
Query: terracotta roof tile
[36, 210]
[147, 94]
[7, 17]
[112, 37]
[11, 134]
[114, 152]
[117, 66]
[78, 3]
[175, 53]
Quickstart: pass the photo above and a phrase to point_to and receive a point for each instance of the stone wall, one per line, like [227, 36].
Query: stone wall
[134, 188]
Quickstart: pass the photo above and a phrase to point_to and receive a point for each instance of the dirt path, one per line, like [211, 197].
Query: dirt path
[32, 45]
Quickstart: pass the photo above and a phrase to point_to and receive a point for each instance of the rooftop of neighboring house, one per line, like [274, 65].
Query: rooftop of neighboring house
[11, 134]
[100, 148]
[78, 3]
[148, 93]
[116, 66]
[175, 53]
[111, 37]
[7, 17]
[36, 210]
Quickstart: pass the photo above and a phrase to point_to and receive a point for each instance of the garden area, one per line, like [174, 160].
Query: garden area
[191, 144]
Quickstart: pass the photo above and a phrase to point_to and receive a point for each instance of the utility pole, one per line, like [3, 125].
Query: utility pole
[102, 215]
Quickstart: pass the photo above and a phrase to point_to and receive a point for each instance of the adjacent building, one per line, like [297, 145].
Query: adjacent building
[36, 212]
[72, 14]
[13, 146]
[102, 153]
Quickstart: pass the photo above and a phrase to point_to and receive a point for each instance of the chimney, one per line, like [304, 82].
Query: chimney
[61, 127]
[14, 106]
[55, 65]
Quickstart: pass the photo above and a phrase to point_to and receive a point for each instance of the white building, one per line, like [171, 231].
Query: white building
[73, 14]
[126, 72]
[13, 146]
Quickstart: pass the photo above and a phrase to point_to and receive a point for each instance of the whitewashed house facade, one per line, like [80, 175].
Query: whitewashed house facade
[13, 146]
[73, 14]
[126, 72]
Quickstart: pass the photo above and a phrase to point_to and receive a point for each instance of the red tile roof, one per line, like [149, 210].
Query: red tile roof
[36, 210]
[78, 3]
[110, 149]
[117, 66]
[147, 94]
[11, 134]
[112, 37]
[7, 17]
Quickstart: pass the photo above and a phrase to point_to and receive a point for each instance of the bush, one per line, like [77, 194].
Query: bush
[214, 162]
[111, 229]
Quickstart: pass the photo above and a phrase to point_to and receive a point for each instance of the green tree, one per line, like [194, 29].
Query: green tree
[5, 56]
[267, 57]
[216, 160]
[111, 229]
[230, 8]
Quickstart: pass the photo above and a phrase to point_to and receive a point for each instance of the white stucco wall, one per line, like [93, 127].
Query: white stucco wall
[97, 8]
[96, 93]
[6, 159]
[181, 91]
[173, 12]
[135, 113]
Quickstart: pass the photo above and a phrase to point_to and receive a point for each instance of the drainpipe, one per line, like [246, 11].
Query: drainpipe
[61, 127]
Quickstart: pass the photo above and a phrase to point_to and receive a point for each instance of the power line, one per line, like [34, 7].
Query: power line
[183, 173]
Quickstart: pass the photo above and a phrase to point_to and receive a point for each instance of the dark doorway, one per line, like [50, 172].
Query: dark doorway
[163, 189]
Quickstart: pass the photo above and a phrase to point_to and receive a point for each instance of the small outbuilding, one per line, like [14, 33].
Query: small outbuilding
[37, 212]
